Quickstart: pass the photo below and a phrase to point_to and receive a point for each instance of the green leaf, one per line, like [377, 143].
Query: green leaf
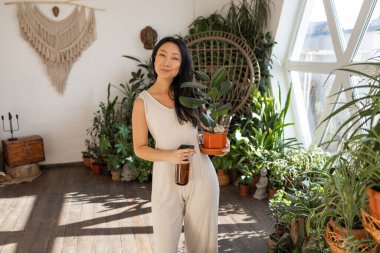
[202, 75]
[223, 110]
[226, 86]
[207, 120]
[219, 77]
[131, 57]
[190, 102]
[193, 85]
[213, 94]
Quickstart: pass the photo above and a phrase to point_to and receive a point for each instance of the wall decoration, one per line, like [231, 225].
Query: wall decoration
[149, 37]
[59, 43]
[55, 11]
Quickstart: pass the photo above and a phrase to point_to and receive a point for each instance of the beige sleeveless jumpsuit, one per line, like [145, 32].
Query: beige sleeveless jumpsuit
[195, 204]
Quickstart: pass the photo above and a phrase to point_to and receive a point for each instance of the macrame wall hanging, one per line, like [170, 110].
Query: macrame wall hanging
[59, 43]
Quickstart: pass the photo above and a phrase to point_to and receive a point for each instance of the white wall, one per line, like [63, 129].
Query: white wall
[62, 119]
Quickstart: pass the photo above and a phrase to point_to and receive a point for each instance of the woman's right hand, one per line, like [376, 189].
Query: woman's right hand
[180, 156]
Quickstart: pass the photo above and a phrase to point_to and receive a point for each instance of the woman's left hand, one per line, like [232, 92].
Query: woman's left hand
[226, 150]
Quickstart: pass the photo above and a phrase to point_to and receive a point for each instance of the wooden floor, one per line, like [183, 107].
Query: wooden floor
[67, 209]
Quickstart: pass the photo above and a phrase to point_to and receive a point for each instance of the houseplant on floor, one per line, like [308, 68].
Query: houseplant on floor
[214, 117]
[245, 180]
[360, 142]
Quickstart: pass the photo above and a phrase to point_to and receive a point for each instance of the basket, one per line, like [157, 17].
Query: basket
[223, 178]
[336, 242]
[371, 224]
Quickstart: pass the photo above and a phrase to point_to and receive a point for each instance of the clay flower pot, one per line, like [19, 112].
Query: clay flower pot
[344, 232]
[244, 190]
[87, 162]
[374, 202]
[96, 168]
[214, 140]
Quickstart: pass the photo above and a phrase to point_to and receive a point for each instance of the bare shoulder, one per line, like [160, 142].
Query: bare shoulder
[138, 104]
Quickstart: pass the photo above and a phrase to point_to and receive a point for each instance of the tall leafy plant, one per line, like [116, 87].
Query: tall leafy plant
[265, 124]
[362, 138]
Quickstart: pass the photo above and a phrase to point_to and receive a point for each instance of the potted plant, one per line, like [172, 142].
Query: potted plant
[338, 215]
[245, 180]
[86, 155]
[96, 159]
[116, 150]
[214, 117]
[360, 142]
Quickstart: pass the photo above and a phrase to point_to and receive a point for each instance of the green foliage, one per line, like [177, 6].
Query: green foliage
[362, 140]
[140, 80]
[246, 19]
[222, 162]
[245, 179]
[343, 195]
[210, 100]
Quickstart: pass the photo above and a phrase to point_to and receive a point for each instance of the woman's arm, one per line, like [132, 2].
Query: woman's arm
[140, 140]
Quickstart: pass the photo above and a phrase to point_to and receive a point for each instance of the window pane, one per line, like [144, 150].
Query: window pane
[316, 41]
[347, 15]
[315, 89]
[334, 124]
[371, 40]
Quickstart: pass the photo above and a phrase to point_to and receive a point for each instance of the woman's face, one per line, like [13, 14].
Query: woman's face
[168, 61]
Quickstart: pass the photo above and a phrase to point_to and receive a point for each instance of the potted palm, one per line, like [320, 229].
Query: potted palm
[214, 117]
[362, 143]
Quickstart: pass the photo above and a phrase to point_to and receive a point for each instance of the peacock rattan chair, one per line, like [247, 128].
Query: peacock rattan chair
[214, 49]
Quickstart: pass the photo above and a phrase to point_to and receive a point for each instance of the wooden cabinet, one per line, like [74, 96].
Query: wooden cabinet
[24, 150]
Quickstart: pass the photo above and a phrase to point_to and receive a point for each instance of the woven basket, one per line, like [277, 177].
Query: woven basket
[223, 177]
[336, 242]
[372, 225]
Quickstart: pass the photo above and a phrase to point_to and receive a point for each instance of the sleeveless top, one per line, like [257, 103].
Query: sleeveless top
[169, 134]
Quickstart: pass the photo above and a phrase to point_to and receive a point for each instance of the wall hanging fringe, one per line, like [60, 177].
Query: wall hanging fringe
[59, 43]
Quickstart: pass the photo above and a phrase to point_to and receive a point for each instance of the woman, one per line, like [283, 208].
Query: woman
[159, 111]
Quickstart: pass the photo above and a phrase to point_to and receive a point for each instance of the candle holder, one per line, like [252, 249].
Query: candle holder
[10, 126]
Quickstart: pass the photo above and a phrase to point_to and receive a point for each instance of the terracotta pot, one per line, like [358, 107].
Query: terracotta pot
[215, 140]
[244, 190]
[271, 192]
[87, 162]
[344, 232]
[271, 244]
[96, 168]
[223, 177]
[374, 203]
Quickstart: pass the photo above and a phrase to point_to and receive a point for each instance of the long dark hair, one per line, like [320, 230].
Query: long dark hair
[185, 74]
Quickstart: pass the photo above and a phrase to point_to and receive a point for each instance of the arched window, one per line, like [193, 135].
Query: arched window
[326, 35]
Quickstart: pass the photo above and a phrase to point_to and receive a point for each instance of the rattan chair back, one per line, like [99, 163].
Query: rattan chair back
[214, 49]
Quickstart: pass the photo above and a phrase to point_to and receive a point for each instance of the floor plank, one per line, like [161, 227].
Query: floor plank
[68, 209]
